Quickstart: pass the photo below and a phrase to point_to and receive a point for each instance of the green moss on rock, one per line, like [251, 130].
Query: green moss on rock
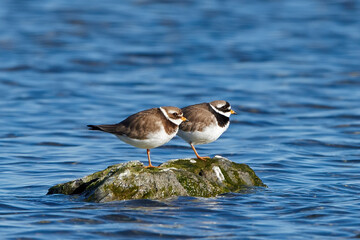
[181, 177]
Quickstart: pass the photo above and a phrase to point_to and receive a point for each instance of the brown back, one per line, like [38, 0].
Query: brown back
[199, 116]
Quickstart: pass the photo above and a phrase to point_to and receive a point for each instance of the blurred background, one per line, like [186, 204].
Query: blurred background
[289, 68]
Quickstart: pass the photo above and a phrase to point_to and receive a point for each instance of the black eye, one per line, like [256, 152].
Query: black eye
[225, 108]
[175, 114]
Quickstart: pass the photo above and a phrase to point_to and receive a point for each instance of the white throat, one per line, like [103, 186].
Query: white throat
[227, 114]
[175, 121]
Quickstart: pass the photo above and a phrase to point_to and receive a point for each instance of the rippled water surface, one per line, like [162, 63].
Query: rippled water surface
[291, 69]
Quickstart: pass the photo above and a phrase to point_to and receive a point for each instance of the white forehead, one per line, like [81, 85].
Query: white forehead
[222, 104]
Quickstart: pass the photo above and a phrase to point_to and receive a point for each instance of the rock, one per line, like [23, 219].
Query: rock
[181, 177]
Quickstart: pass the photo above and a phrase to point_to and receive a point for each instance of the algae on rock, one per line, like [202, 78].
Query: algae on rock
[180, 177]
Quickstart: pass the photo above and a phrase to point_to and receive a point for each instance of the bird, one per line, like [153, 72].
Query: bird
[205, 123]
[147, 129]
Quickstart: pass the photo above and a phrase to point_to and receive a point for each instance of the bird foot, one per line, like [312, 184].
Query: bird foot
[151, 166]
[203, 158]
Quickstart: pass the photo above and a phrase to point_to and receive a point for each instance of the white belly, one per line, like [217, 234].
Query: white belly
[208, 135]
[152, 140]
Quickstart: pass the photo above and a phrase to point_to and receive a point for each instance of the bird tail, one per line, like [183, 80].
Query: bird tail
[104, 128]
[93, 127]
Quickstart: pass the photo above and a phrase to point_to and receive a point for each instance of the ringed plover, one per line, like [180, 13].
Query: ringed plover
[146, 129]
[206, 122]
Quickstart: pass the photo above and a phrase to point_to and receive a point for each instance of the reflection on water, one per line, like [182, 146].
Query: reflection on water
[289, 68]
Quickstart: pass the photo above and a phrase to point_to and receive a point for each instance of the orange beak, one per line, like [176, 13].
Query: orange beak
[184, 118]
[232, 112]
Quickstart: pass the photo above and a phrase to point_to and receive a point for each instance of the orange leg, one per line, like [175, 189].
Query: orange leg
[148, 154]
[197, 155]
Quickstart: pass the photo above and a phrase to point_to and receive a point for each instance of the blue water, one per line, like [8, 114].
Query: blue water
[291, 69]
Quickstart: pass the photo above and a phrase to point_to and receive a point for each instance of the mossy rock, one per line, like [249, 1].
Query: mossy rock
[180, 177]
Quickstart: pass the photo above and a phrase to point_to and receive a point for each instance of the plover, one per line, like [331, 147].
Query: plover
[206, 122]
[146, 129]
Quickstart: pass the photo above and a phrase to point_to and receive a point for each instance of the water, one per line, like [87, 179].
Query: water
[289, 68]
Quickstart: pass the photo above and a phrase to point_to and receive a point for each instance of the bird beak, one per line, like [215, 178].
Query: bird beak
[232, 112]
[184, 119]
